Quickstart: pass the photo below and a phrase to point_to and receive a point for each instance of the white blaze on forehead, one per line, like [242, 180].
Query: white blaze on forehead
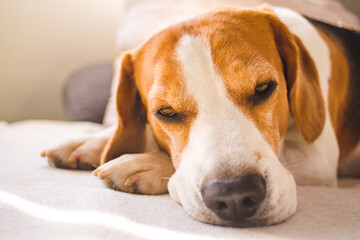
[220, 128]
[202, 80]
[206, 87]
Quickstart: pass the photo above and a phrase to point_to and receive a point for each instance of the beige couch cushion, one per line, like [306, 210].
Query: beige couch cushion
[143, 18]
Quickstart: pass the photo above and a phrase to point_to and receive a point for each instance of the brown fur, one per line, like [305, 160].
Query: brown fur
[306, 101]
[344, 91]
[130, 134]
[236, 172]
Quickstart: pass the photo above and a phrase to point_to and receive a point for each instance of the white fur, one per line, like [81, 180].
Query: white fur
[316, 163]
[222, 138]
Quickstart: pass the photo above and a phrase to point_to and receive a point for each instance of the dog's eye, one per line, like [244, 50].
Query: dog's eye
[168, 114]
[261, 88]
[262, 92]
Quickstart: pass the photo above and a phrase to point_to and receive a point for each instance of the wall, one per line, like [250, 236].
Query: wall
[42, 42]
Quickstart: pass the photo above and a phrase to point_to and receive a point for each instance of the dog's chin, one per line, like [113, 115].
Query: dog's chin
[215, 220]
[255, 221]
[250, 223]
[274, 209]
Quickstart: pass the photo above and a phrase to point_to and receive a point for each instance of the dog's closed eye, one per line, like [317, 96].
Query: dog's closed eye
[168, 114]
[262, 92]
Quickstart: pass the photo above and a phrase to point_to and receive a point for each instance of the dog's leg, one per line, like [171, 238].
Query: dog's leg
[82, 153]
[145, 173]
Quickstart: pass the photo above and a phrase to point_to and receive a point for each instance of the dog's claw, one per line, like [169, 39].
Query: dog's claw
[43, 154]
[47, 153]
[95, 172]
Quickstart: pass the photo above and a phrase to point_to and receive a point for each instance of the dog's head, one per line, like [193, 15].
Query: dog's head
[218, 91]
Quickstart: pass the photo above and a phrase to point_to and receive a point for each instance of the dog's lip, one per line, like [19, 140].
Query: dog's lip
[246, 223]
[253, 221]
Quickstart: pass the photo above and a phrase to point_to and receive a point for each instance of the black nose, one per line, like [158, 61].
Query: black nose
[235, 198]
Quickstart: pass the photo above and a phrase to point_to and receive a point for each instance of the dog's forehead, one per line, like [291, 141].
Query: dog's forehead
[241, 44]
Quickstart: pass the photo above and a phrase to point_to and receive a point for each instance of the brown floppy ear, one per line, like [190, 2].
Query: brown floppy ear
[304, 92]
[129, 136]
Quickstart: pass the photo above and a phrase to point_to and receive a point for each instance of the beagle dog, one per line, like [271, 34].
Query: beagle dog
[228, 112]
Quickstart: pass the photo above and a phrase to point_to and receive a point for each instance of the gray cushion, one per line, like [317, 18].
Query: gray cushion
[86, 93]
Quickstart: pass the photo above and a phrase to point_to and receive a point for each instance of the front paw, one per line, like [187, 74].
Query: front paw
[145, 173]
[77, 154]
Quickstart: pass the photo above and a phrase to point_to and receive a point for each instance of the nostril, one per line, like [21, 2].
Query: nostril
[249, 202]
[220, 206]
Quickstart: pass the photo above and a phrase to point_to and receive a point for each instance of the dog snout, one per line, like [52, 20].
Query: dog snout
[236, 198]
